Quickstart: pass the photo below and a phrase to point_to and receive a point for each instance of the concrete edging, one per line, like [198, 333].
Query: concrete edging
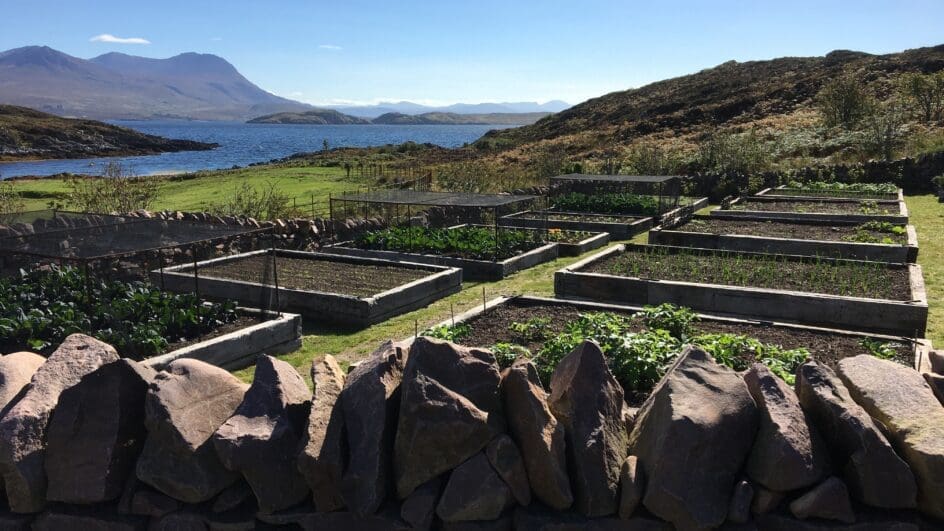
[878, 252]
[238, 349]
[471, 269]
[905, 318]
[334, 307]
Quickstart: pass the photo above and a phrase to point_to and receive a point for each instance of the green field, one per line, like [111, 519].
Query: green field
[303, 183]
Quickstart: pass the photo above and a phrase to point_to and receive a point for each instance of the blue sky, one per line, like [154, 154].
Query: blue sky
[449, 51]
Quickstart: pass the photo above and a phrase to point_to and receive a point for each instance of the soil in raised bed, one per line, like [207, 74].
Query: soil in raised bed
[827, 193]
[820, 207]
[325, 276]
[244, 321]
[590, 218]
[834, 277]
[780, 229]
[828, 348]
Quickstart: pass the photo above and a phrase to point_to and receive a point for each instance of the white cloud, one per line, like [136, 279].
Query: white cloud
[296, 94]
[216, 39]
[329, 47]
[107, 37]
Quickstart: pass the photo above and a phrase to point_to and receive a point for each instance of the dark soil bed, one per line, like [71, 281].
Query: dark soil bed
[819, 207]
[494, 327]
[846, 278]
[242, 322]
[324, 276]
[591, 218]
[802, 231]
[833, 193]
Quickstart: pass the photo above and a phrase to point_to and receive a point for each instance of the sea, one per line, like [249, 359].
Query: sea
[242, 144]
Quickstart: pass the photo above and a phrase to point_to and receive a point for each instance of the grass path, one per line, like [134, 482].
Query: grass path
[927, 215]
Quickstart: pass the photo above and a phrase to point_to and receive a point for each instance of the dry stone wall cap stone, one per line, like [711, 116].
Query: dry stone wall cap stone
[321, 461]
[261, 439]
[23, 427]
[185, 405]
[872, 471]
[936, 383]
[692, 437]
[16, 370]
[788, 454]
[96, 434]
[588, 401]
[901, 400]
[370, 401]
[539, 435]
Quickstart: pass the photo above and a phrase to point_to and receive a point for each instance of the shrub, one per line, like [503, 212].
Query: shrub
[844, 103]
[265, 204]
[10, 200]
[725, 153]
[925, 93]
[117, 190]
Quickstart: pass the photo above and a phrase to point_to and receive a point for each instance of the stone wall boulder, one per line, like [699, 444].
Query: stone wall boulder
[870, 467]
[16, 370]
[538, 434]
[505, 458]
[692, 437]
[185, 405]
[788, 454]
[23, 427]
[829, 501]
[260, 440]
[321, 461]
[96, 434]
[450, 409]
[936, 383]
[474, 492]
[899, 398]
[370, 402]
[588, 402]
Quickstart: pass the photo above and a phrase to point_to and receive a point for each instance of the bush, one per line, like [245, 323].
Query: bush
[117, 190]
[10, 200]
[265, 204]
[730, 153]
[844, 103]
[925, 93]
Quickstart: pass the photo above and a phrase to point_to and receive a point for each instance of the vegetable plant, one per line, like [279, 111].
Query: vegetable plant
[478, 243]
[455, 333]
[607, 203]
[678, 321]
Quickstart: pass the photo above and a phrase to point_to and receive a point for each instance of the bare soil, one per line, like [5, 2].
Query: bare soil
[324, 276]
[819, 207]
[779, 229]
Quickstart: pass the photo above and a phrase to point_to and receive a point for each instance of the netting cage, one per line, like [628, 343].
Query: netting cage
[634, 195]
[113, 266]
[424, 209]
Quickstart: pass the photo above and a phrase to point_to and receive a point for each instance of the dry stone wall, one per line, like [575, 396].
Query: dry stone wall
[431, 435]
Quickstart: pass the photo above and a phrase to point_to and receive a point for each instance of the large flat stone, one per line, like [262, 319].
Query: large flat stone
[23, 427]
[16, 370]
[899, 398]
[324, 448]
[96, 434]
[872, 471]
[692, 437]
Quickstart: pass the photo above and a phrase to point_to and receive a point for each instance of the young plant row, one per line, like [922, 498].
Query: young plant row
[639, 359]
[40, 308]
[607, 203]
[815, 275]
[877, 232]
[477, 243]
[879, 190]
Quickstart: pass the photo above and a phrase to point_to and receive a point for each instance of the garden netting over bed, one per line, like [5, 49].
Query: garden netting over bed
[638, 195]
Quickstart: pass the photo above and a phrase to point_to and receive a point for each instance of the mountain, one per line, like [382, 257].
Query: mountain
[27, 134]
[775, 97]
[317, 116]
[119, 86]
[406, 107]
[443, 118]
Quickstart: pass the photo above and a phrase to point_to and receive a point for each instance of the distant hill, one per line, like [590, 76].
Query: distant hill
[775, 97]
[27, 134]
[444, 118]
[119, 86]
[406, 107]
[316, 116]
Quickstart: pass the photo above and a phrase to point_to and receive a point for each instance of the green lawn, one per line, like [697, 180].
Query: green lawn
[213, 187]
[927, 216]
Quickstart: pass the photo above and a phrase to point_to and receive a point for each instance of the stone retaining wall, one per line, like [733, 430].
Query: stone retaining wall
[435, 436]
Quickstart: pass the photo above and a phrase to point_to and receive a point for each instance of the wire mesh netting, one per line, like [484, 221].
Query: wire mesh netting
[640, 195]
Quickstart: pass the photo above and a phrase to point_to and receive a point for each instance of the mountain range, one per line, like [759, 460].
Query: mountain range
[331, 116]
[186, 86]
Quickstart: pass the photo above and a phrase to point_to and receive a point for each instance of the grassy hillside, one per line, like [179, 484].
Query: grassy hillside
[26, 134]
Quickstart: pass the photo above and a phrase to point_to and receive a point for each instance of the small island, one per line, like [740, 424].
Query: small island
[332, 117]
[316, 117]
[27, 134]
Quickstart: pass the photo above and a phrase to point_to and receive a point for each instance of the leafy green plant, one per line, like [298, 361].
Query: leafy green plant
[534, 329]
[824, 186]
[478, 243]
[678, 321]
[507, 353]
[737, 351]
[878, 348]
[454, 333]
[40, 308]
[607, 203]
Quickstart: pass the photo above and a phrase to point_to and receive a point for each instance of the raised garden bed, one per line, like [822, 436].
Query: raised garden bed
[619, 227]
[788, 191]
[259, 334]
[872, 296]
[576, 243]
[470, 248]
[509, 324]
[348, 290]
[799, 209]
[873, 240]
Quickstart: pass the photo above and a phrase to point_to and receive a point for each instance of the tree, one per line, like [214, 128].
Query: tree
[844, 103]
[925, 92]
[883, 132]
